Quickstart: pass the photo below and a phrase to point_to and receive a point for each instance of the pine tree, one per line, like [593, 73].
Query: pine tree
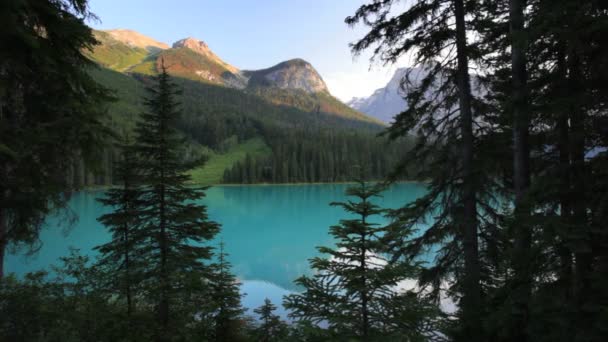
[175, 226]
[354, 288]
[542, 81]
[271, 327]
[227, 312]
[453, 140]
[120, 256]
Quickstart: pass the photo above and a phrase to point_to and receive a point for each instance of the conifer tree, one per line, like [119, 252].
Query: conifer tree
[354, 288]
[453, 137]
[120, 256]
[50, 111]
[544, 92]
[227, 312]
[521, 167]
[271, 328]
[175, 226]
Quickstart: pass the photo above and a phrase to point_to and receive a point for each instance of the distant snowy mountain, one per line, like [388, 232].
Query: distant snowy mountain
[389, 101]
[385, 103]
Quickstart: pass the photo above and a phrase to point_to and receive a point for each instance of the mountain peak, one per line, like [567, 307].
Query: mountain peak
[136, 39]
[203, 49]
[192, 44]
[291, 74]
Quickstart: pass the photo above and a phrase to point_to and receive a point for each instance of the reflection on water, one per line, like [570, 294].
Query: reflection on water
[270, 232]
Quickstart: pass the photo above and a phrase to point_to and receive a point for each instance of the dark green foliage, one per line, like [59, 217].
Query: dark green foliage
[175, 228]
[226, 314]
[317, 156]
[50, 111]
[565, 107]
[538, 142]
[354, 288]
[217, 117]
[72, 307]
[121, 256]
[270, 327]
[452, 141]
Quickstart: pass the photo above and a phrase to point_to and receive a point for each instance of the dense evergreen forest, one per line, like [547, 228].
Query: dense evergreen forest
[515, 210]
[313, 144]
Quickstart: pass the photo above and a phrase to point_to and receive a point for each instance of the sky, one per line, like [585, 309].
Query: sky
[256, 34]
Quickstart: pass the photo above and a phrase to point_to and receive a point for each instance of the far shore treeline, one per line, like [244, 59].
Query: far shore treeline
[515, 165]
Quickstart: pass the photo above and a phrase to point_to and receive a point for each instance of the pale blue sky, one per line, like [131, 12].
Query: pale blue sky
[253, 34]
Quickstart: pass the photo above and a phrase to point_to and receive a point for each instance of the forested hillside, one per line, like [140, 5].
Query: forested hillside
[303, 132]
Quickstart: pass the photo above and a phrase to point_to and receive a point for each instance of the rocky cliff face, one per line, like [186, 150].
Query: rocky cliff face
[191, 58]
[292, 74]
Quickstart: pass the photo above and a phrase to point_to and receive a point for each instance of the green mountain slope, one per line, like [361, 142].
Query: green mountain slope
[114, 54]
[212, 172]
[235, 126]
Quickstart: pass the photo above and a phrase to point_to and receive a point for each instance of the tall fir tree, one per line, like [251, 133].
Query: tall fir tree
[175, 226]
[354, 289]
[120, 257]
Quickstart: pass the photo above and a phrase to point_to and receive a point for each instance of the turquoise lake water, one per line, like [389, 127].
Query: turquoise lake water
[270, 231]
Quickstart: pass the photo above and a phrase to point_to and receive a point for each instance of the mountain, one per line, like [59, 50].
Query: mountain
[193, 59]
[137, 40]
[293, 83]
[116, 54]
[278, 124]
[292, 74]
[388, 101]
[202, 49]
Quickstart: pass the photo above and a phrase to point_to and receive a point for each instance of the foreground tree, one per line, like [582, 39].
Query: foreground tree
[69, 304]
[271, 328]
[544, 85]
[175, 227]
[354, 289]
[50, 111]
[454, 141]
[521, 167]
[120, 257]
[226, 314]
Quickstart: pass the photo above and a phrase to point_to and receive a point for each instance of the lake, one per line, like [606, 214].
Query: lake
[270, 231]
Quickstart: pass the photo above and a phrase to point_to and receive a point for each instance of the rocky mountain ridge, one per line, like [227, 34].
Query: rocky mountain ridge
[193, 59]
[136, 39]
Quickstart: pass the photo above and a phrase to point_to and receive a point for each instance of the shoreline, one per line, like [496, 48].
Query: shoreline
[106, 187]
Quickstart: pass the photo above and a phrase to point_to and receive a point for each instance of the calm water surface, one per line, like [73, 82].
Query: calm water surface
[269, 231]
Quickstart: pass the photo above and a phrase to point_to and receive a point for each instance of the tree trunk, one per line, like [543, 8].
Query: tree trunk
[471, 302]
[364, 295]
[163, 309]
[564, 233]
[583, 253]
[521, 169]
[128, 273]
